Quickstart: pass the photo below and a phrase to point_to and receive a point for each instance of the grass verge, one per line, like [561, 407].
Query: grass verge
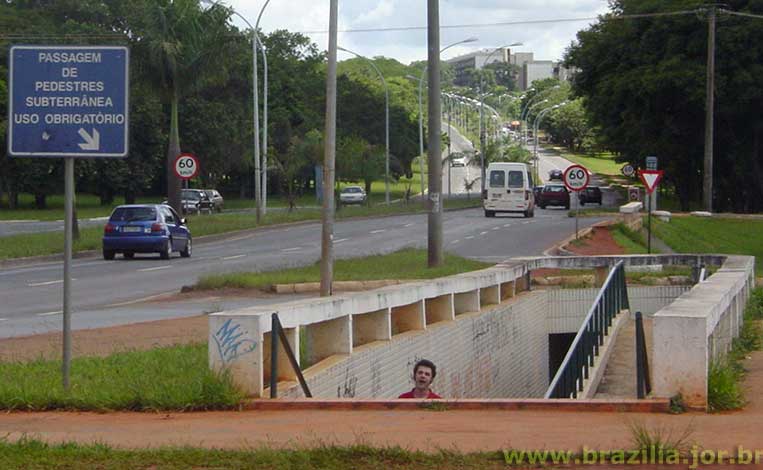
[404, 264]
[38, 244]
[30, 453]
[725, 375]
[632, 242]
[173, 378]
[741, 236]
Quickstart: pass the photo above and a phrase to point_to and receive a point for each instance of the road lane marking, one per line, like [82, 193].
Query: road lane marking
[48, 314]
[469, 237]
[525, 223]
[292, 249]
[3, 319]
[341, 240]
[507, 225]
[155, 269]
[454, 242]
[239, 238]
[408, 225]
[233, 257]
[496, 228]
[483, 233]
[48, 283]
[144, 299]
[378, 231]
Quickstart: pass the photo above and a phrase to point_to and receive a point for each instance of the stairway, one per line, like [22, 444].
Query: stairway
[619, 379]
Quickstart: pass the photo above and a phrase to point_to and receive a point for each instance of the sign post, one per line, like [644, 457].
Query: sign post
[68, 102]
[650, 178]
[576, 178]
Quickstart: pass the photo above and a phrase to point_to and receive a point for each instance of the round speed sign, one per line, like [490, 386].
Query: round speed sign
[576, 178]
[186, 166]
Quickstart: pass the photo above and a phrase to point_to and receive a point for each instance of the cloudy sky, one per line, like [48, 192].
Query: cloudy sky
[547, 40]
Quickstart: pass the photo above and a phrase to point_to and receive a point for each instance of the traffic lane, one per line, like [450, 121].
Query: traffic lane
[19, 227]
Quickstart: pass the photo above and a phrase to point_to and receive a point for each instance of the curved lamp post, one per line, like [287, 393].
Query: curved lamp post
[386, 119]
[482, 115]
[536, 124]
[529, 105]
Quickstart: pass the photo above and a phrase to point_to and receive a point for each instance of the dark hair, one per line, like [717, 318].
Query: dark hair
[425, 363]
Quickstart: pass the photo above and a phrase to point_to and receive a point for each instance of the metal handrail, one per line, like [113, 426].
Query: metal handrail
[611, 299]
[276, 333]
[643, 382]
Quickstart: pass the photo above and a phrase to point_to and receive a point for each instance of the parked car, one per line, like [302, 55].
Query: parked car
[216, 198]
[554, 195]
[536, 192]
[590, 194]
[458, 161]
[193, 201]
[352, 195]
[145, 228]
[555, 174]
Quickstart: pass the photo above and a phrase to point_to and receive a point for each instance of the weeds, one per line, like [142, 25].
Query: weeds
[660, 437]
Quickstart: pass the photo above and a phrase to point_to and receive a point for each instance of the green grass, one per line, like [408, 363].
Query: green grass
[603, 164]
[34, 454]
[404, 264]
[24, 245]
[741, 236]
[632, 242]
[171, 378]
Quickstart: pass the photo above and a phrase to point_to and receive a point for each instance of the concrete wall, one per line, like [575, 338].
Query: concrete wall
[499, 353]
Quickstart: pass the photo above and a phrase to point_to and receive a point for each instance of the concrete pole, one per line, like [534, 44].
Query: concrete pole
[256, 106]
[264, 184]
[707, 180]
[421, 137]
[67, 314]
[434, 155]
[327, 235]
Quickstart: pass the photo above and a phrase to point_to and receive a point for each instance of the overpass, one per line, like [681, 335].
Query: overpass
[490, 334]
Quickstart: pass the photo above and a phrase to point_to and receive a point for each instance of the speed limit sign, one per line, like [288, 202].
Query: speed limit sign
[576, 178]
[186, 166]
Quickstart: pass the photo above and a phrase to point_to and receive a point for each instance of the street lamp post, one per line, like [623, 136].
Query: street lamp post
[386, 119]
[482, 115]
[536, 125]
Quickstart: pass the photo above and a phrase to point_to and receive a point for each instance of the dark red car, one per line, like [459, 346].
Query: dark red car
[554, 195]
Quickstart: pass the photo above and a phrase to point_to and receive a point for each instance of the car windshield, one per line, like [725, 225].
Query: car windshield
[555, 189]
[133, 214]
[351, 189]
[191, 196]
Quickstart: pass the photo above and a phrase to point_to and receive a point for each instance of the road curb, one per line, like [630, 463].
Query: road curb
[559, 248]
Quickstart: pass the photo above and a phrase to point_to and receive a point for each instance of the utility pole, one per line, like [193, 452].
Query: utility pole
[329, 150]
[707, 175]
[434, 155]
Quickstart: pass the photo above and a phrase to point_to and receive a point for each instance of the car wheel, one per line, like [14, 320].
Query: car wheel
[128, 254]
[582, 203]
[489, 213]
[186, 253]
[108, 254]
[542, 206]
[166, 250]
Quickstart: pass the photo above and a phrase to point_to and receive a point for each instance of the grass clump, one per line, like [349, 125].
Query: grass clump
[662, 438]
[404, 264]
[29, 453]
[172, 378]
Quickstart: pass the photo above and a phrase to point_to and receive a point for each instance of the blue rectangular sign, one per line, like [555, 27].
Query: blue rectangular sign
[68, 101]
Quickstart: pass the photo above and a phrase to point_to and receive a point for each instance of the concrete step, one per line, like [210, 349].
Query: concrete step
[619, 379]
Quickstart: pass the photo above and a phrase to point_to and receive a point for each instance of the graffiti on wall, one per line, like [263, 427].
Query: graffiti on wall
[232, 342]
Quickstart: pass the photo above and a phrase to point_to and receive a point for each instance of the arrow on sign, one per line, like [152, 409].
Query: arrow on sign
[650, 178]
[91, 142]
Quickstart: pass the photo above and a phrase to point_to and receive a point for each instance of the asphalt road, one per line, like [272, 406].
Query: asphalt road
[107, 290]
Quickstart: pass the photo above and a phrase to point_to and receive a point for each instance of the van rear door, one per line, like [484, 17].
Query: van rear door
[515, 191]
[497, 185]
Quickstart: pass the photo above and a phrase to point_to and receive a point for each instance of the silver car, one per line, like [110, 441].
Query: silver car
[352, 195]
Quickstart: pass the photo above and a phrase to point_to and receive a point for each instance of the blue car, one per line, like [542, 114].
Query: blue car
[146, 228]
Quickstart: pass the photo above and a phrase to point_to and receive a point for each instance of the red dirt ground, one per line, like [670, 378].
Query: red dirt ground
[598, 242]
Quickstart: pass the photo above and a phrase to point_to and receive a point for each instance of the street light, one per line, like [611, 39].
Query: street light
[386, 119]
[536, 124]
[482, 113]
[525, 112]
[421, 109]
[258, 195]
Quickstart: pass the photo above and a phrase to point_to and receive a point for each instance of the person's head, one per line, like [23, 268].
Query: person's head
[424, 373]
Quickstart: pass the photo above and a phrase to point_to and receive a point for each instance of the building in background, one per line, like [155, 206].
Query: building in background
[476, 61]
[535, 70]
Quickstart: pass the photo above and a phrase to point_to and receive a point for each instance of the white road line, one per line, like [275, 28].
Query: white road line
[507, 225]
[341, 240]
[3, 319]
[469, 237]
[155, 269]
[525, 223]
[292, 249]
[496, 228]
[454, 242]
[408, 225]
[48, 314]
[48, 283]
[233, 257]
[378, 231]
[239, 238]
[144, 299]
[483, 233]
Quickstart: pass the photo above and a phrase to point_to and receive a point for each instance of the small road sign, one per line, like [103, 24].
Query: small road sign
[576, 177]
[186, 166]
[651, 162]
[650, 178]
[68, 101]
[634, 194]
[628, 170]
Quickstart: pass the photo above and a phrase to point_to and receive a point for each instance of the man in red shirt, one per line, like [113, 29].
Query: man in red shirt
[424, 373]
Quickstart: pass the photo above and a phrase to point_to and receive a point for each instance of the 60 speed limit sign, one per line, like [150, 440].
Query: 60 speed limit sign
[186, 166]
[576, 178]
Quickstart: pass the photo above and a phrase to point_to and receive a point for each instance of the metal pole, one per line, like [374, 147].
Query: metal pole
[421, 136]
[450, 154]
[649, 226]
[264, 130]
[707, 183]
[68, 222]
[386, 140]
[256, 106]
[274, 337]
[327, 234]
[639, 357]
[434, 222]
[482, 141]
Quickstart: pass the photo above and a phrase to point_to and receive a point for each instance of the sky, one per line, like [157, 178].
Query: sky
[547, 40]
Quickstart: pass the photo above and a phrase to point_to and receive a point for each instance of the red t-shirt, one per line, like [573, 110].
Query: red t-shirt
[411, 395]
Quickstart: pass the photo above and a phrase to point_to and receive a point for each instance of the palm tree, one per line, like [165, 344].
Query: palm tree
[183, 46]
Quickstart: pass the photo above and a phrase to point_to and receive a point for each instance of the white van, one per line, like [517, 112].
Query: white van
[509, 188]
